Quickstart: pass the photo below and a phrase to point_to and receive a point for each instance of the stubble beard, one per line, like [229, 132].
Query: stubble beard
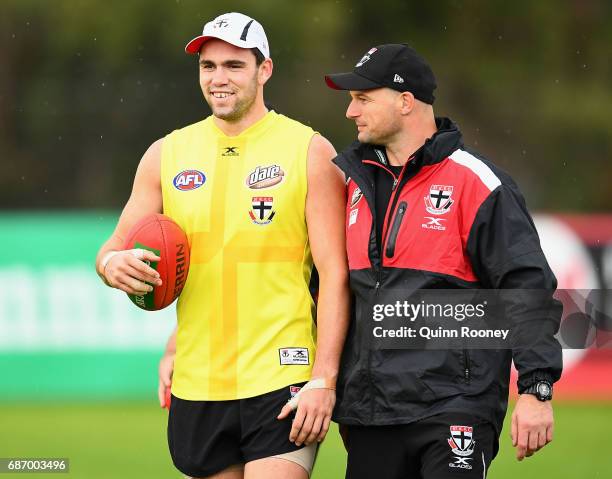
[382, 136]
[242, 105]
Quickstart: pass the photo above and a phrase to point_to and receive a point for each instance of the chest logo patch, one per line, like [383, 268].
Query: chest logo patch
[439, 200]
[357, 195]
[189, 180]
[265, 177]
[261, 210]
[231, 151]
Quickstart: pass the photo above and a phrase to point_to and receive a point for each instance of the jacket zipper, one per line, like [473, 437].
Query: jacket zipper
[397, 222]
[369, 363]
[392, 202]
[396, 180]
[466, 365]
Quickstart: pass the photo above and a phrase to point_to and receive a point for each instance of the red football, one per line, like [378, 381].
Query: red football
[162, 236]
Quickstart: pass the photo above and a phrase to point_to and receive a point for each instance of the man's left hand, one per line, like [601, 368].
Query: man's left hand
[166, 368]
[532, 425]
[313, 416]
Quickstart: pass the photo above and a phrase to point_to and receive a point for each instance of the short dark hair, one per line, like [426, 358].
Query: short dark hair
[259, 58]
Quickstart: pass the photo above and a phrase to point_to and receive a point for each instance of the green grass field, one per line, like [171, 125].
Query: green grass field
[127, 440]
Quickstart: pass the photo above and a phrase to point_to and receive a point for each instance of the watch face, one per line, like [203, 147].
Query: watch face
[544, 389]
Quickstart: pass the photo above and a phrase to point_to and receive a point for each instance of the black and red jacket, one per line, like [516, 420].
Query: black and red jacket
[454, 220]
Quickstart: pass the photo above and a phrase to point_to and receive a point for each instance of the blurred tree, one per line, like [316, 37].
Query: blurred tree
[87, 85]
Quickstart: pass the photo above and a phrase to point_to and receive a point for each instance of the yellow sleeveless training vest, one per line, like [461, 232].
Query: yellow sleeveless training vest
[245, 316]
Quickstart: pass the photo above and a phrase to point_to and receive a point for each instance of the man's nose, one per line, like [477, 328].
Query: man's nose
[353, 110]
[219, 77]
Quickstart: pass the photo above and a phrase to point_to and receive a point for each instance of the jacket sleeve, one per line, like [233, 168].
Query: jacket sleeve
[504, 248]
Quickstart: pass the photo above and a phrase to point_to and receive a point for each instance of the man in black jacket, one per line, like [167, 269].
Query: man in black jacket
[424, 213]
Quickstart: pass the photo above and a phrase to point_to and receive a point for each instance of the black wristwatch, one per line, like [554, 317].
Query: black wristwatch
[543, 390]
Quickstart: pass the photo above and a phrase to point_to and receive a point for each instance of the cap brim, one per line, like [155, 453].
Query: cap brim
[349, 81]
[194, 45]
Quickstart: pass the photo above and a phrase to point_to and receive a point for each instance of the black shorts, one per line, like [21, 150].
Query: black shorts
[449, 445]
[206, 437]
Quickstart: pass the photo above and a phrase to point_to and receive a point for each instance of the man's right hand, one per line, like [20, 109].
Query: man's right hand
[532, 425]
[128, 271]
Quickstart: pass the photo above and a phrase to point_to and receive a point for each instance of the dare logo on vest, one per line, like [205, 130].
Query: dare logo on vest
[265, 177]
[189, 180]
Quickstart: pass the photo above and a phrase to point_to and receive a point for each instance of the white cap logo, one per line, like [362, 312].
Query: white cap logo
[234, 28]
[221, 23]
[366, 57]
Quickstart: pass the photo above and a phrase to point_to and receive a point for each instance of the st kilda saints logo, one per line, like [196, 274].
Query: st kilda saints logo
[462, 444]
[366, 57]
[223, 23]
[265, 177]
[261, 210]
[439, 200]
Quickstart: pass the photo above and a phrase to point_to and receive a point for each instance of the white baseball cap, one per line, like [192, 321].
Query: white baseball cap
[235, 28]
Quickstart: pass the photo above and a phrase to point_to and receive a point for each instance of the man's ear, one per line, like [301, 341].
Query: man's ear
[407, 102]
[265, 71]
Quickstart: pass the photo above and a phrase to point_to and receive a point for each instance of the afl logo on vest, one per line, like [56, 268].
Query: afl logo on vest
[189, 180]
[265, 177]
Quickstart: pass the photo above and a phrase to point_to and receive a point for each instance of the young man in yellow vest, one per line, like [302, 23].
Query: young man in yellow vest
[268, 202]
